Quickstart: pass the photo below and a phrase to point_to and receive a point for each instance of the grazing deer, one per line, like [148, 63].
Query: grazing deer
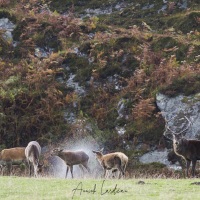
[32, 152]
[72, 158]
[189, 150]
[11, 155]
[112, 161]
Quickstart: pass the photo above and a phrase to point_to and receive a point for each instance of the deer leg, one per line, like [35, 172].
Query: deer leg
[187, 166]
[4, 169]
[29, 167]
[35, 171]
[82, 170]
[118, 164]
[67, 171]
[115, 172]
[26, 166]
[105, 173]
[85, 164]
[71, 170]
[193, 167]
[1, 167]
[112, 173]
[121, 174]
[124, 169]
[9, 167]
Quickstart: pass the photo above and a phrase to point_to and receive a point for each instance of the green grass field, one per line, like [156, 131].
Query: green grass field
[50, 188]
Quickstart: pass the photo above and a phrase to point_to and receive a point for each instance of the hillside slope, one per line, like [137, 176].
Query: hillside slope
[93, 69]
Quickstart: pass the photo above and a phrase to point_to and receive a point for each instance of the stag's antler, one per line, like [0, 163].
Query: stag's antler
[175, 133]
[189, 124]
[167, 128]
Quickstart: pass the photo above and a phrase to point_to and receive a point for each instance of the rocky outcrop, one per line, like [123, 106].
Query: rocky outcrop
[8, 27]
[155, 156]
[174, 111]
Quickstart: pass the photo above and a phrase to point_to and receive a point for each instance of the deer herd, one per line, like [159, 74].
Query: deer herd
[189, 150]
[31, 155]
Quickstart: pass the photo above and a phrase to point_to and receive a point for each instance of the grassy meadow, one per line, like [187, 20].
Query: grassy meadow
[55, 189]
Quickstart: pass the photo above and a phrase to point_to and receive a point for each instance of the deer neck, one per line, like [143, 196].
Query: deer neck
[61, 155]
[181, 149]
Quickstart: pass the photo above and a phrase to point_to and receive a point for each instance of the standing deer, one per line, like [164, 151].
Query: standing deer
[32, 152]
[189, 150]
[112, 161]
[72, 158]
[11, 155]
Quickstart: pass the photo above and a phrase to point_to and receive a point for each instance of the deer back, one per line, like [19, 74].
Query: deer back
[123, 157]
[33, 151]
[193, 149]
[13, 154]
[74, 157]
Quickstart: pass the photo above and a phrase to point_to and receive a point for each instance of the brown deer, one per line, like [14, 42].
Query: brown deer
[189, 150]
[32, 152]
[8, 156]
[112, 161]
[72, 158]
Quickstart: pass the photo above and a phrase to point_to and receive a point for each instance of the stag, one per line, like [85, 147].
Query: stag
[32, 152]
[189, 150]
[72, 158]
[112, 161]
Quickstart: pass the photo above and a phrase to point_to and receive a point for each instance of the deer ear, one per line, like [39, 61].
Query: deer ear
[94, 151]
[101, 150]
